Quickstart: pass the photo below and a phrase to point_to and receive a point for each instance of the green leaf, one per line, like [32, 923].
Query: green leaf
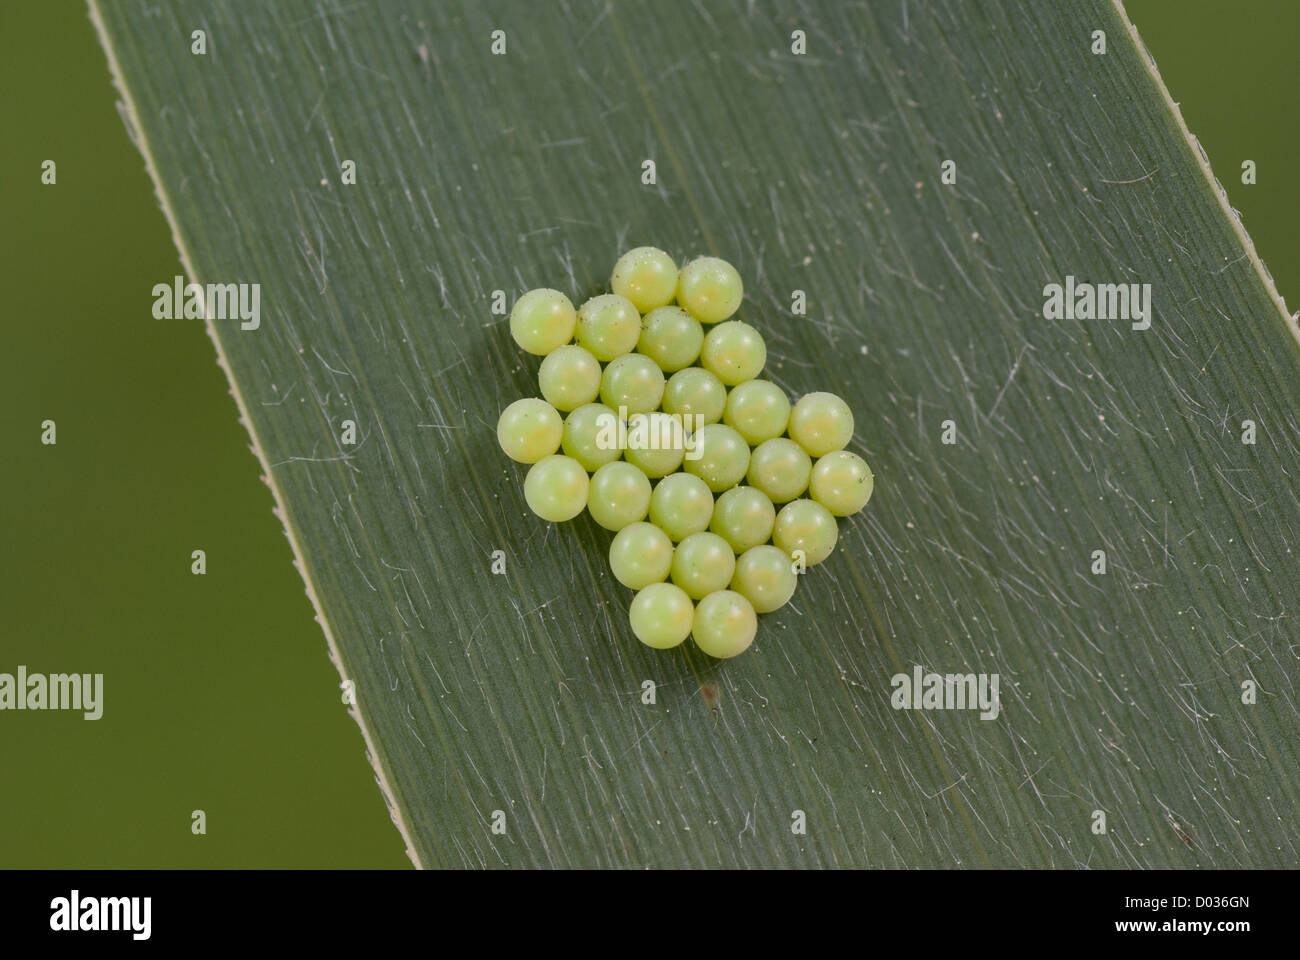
[820, 172]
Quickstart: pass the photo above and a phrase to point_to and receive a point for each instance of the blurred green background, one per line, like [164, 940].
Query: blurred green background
[219, 694]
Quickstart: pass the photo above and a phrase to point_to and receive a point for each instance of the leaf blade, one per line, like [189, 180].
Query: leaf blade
[480, 172]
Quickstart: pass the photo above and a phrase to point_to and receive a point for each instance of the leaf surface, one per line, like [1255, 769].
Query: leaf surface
[821, 172]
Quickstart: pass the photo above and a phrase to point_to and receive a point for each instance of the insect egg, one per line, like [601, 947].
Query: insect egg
[820, 423]
[780, 468]
[619, 495]
[765, 577]
[703, 563]
[656, 443]
[808, 526]
[633, 382]
[659, 423]
[841, 482]
[640, 554]
[661, 616]
[528, 430]
[697, 394]
[592, 436]
[734, 352]
[725, 624]
[710, 288]
[743, 516]
[556, 488]
[681, 505]
[723, 457]
[646, 276]
[758, 410]
[542, 320]
[670, 337]
[609, 326]
[569, 377]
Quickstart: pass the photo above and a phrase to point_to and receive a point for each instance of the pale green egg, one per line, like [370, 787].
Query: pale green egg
[765, 577]
[743, 516]
[556, 488]
[542, 320]
[841, 482]
[641, 554]
[670, 337]
[656, 443]
[697, 394]
[723, 457]
[703, 563]
[569, 377]
[758, 410]
[725, 624]
[734, 352]
[608, 326]
[661, 616]
[681, 505]
[633, 383]
[710, 288]
[807, 526]
[593, 435]
[780, 468]
[529, 429]
[820, 423]
[619, 495]
[646, 276]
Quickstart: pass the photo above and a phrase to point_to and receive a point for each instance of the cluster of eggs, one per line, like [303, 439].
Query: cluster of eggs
[671, 441]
